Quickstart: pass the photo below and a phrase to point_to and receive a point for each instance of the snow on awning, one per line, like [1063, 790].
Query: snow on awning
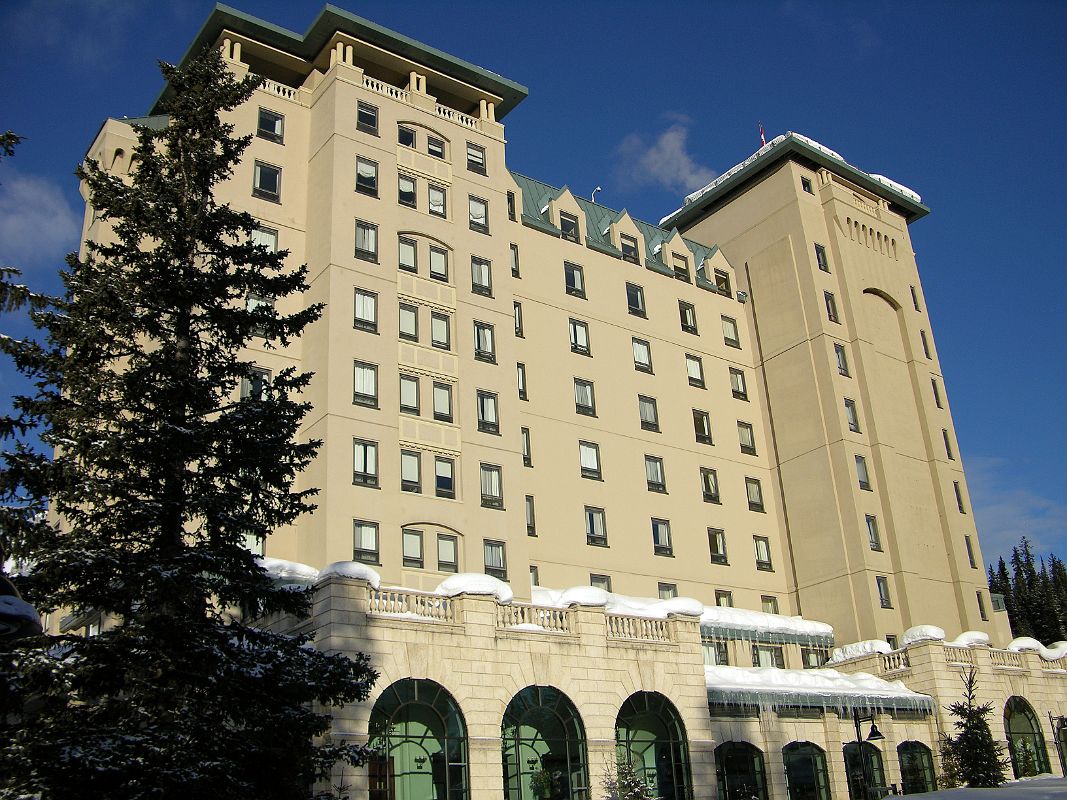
[740, 623]
[771, 688]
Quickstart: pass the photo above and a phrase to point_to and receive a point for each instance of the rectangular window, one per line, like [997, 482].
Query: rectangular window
[762, 547]
[959, 496]
[694, 368]
[883, 591]
[702, 426]
[925, 343]
[367, 118]
[716, 652]
[709, 485]
[442, 402]
[410, 471]
[754, 492]
[596, 528]
[681, 267]
[873, 537]
[635, 300]
[937, 393]
[842, 359]
[265, 237]
[440, 336]
[366, 176]
[981, 606]
[407, 254]
[769, 604]
[915, 298]
[862, 475]
[365, 316]
[435, 147]
[267, 182]
[447, 553]
[820, 257]
[511, 206]
[852, 415]
[579, 333]
[805, 184]
[270, 126]
[642, 355]
[520, 377]
[438, 263]
[568, 227]
[687, 313]
[366, 241]
[484, 342]
[970, 552]
[535, 575]
[365, 541]
[948, 444]
[729, 332]
[487, 416]
[364, 463]
[405, 136]
[481, 276]
[517, 311]
[256, 385]
[574, 279]
[768, 655]
[365, 384]
[444, 477]
[737, 384]
[589, 458]
[527, 455]
[746, 438]
[475, 158]
[648, 412]
[253, 302]
[654, 475]
[584, 400]
[496, 563]
[717, 545]
[409, 322]
[813, 657]
[437, 199]
[515, 261]
[478, 212]
[661, 537]
[600, 582]
[891, 640]
[406, 187]
[531, 517]
[722, 283]
[667, 591]
[628, 245]
[831, 306]
[412, 544]
[724, 598]
[492, 491]
[409, 394]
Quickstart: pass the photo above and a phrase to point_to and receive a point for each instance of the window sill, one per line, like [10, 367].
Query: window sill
[663, 552]
[493, 430]
[749, 451]
[585, 412]
[705, 440]
[367, 192]
[651, 428]
[270, 197]
[637, 313]
[371, 257]
[712, 499]
[484, 291]
[580, 352]
[368, 403]
[642, 368]
[366, 129]
[488, 358]
[591, 477]
[757, 509]
[366, 484]
[597, 542]
[764, 567]
[720, 562]
[729, 343]
[412, 206]
[270, 137]
[657, 489]
[690, 330]
[740, 397]
[479, 228]
[697, 384]
[365, 328]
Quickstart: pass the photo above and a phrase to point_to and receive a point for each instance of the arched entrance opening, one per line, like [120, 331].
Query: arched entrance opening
[650, 736]
[543, 743]
[740, 771]
[421, 741]
[1025, 742]
[916, 768]
[805, 771]
[864, 773]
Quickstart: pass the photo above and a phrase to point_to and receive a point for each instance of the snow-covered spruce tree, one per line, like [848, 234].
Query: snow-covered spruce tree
[624, 783]
[975, 757]
[159, 474]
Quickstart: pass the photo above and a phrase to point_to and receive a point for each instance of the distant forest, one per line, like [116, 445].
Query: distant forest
[1035, 593]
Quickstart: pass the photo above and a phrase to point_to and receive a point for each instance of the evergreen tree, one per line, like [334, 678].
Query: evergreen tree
[624, 783]
[1058, 574]
[973, 756]
[159, 474]
[1023, 579]
[1002, 581]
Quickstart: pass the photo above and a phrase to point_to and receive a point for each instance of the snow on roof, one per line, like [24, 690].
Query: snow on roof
[770, 687]
[719, 618]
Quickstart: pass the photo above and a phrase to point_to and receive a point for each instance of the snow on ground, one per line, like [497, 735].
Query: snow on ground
[1045, 788]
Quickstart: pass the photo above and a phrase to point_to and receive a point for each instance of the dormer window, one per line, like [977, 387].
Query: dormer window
[681, 267]
[722, 283]
[568, 227]
[628, 245]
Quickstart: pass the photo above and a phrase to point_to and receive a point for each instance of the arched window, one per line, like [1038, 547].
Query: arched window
[865, 773]
[422, 744]
[805, 771]
[649, 735]
[1025, 742]
[543, 742]
[740, 771]
[916, 767]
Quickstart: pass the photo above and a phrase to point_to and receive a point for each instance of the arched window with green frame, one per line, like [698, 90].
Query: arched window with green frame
[740, 770]
[543, 747]
[650, 736]
[805, 771]
[1026, 744]
[916, 768]
[420, 737]
[866, 774]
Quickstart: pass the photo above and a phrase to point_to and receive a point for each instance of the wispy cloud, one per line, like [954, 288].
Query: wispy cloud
[1005, 510]
[37, 224]
[663, 161]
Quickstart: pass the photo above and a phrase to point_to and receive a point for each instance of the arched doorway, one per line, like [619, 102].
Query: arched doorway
[863, 774]
[916, 768]
[805, 771]
[649, 735]
[421, 738]
[1025, 742]
[740, 771]
[543, 743]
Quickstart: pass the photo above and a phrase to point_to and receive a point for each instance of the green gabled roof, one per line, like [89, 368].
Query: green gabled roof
[332, 19]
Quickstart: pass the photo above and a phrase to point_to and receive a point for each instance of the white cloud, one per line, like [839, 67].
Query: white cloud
[37, 224]
[1005, 510]
[663, 161]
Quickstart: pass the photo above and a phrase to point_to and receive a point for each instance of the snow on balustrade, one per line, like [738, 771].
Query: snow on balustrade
[641, 628]
[958, 655]
[386, 89]
[859, 650]
[519, 616]
[456, 116]
[896, 661]
[412, 605]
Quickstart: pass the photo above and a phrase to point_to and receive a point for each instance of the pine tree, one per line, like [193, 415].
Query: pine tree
[1058, 573]
[973, 756]
[624, 783]
[1003, 583]
[159, 474]
[1023, 578]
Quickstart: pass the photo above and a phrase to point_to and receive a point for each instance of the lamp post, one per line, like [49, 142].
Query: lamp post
[1058, 725]
[875, 735]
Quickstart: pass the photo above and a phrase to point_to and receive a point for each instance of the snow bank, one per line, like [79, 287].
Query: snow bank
[475, 583]
[923, 633]
[352, 569]
[287, 570]
[859, 649]
[970, 639]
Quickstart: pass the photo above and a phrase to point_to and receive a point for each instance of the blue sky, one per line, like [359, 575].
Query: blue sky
[962, 102]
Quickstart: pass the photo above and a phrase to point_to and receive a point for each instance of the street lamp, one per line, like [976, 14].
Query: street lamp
[875, 735]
